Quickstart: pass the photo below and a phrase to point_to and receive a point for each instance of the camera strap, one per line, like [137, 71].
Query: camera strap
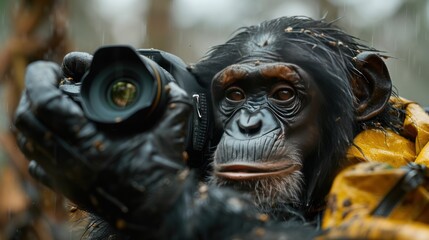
[200, 121]
[413, 178]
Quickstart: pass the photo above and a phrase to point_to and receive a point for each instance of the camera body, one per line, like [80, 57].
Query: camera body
[124, 92]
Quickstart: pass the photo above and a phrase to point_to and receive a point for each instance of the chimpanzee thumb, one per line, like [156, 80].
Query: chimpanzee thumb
[75, 64]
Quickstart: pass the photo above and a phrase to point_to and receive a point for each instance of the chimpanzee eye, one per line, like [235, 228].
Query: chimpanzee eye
[283, 94]
[234, 94]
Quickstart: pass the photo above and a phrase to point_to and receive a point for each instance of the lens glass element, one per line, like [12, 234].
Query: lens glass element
[123, 93]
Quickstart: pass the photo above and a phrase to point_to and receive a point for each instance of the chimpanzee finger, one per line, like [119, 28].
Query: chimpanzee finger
[178, 109]
[34, 140]
[38, 173]
[177, 112]
[177, 94]
[25, 145]
[28, 126]
[75, 64]
[39, 142]
[42, 157]
[29, 130]
[173, 127]
[54, 109]
[58, 181]
[52, 153]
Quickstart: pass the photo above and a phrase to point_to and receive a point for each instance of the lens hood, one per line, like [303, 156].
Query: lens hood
[122, 87]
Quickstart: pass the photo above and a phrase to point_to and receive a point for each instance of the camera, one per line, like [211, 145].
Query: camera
[124, 91]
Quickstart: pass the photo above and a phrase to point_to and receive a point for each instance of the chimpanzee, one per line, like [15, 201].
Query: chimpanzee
[288, 95]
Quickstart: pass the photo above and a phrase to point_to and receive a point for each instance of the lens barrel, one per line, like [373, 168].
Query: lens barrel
[123, 89]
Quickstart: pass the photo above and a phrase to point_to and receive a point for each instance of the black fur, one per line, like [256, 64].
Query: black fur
[327, 53]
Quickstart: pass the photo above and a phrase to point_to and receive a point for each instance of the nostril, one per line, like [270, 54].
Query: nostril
[250, 127]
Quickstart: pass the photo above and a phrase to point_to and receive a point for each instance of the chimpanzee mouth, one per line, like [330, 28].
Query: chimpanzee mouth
[248, 171]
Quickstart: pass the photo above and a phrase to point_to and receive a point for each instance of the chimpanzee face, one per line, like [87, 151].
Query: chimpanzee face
[289, 95]
[269, 111]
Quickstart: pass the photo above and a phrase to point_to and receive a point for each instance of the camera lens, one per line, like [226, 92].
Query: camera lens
[123, 89]
[123, 93]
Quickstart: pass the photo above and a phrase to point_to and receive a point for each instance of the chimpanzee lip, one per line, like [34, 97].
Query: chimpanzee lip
[249, 171]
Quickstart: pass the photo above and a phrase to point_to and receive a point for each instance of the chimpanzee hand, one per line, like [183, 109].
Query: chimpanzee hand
[114, 176]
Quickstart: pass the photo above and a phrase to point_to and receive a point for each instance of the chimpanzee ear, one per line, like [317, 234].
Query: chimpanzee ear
[372, 88]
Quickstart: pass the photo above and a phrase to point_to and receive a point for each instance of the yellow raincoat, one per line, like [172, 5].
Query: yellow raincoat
[357, 202]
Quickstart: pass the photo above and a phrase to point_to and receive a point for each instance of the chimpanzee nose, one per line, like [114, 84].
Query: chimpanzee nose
[249, 123]
[252, 124]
